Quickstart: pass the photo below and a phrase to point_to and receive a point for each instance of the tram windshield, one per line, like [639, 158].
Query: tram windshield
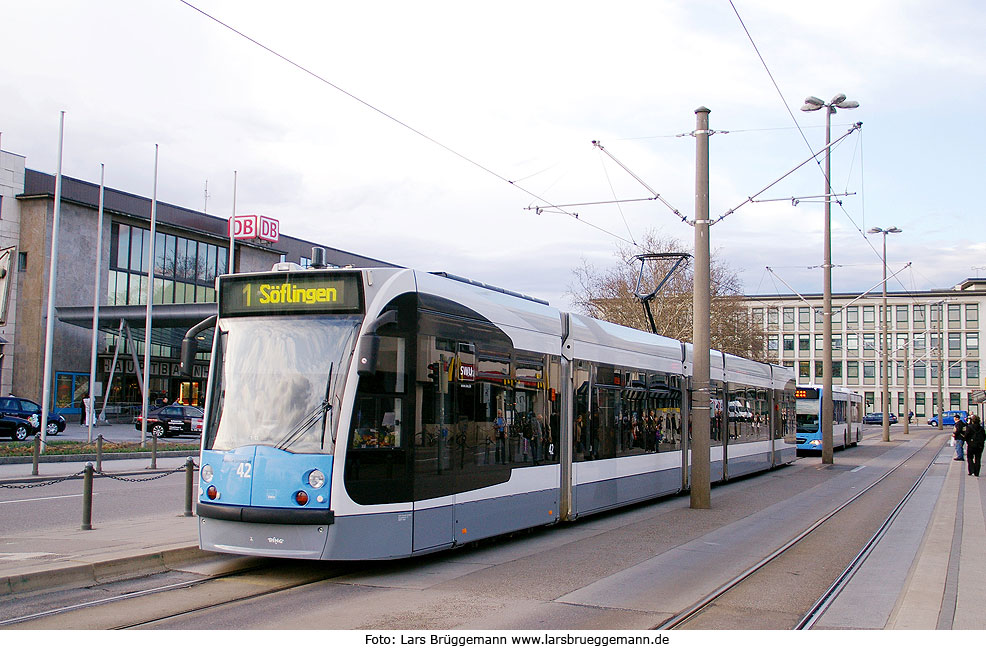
[276, 381]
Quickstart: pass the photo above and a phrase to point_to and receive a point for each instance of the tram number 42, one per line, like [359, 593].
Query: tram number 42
[243, 470]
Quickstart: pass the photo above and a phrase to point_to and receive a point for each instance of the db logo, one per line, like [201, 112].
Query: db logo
[250, 227]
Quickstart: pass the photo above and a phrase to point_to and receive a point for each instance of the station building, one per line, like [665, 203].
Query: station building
[191, 250]
[930, 333]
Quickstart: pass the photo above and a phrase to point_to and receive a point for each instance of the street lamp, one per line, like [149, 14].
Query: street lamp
[812, 103]
[883, 335]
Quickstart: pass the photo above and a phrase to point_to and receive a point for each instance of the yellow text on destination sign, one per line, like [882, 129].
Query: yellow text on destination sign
[294, 294]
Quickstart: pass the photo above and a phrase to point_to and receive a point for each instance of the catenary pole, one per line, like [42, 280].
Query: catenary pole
[701, 419]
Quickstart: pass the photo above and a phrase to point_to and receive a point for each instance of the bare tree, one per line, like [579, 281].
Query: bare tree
[609, 295]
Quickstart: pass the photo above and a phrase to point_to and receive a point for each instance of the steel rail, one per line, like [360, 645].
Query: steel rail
[823, 603]
[699, 606]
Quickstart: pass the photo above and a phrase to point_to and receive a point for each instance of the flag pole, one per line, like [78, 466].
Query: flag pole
[90, 409]
[50, 320]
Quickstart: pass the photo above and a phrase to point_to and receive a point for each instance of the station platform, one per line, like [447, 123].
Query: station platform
[927, 572]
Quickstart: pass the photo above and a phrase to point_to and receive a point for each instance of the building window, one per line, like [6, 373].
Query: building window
[972, 343]
[919, 342]
[804, 369]
[852, 315]
[804, 342]
[869, 316]
[972, 371]
[869, 342]
[954, 315]
[852, 371]
[919, 316]
[901, 317]
[820, 342]
[819, 315]
[772, 342]
[955, 400]
[836, 342]
[836, 369]
[869, 401]
[972, 315]
[919, 404]
[955, 343]
[788, 319]
[789, 342]
[920, 372]
[772, 316]
[804, 316]
[869, 370]
[21, 261]
[758, 317]
[852, 342]
[955, 372]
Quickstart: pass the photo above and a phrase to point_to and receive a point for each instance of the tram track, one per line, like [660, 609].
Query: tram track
[197, 595]
[707, 612]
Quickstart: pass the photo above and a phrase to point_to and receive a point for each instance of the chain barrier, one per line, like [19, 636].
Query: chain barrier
[155, 477]
[28, 484]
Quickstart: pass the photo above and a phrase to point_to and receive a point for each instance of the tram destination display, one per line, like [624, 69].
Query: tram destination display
[278, 294]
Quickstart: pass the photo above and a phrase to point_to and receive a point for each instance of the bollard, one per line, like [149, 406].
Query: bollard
[153, 451]
[99, 454]
[189, 481]
[36, 454]
[87, 497]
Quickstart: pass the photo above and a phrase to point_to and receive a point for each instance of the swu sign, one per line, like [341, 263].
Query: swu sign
[251, 227]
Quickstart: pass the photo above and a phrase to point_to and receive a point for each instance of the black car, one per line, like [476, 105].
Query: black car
[28, 410]
[15, 428]
[173, 421]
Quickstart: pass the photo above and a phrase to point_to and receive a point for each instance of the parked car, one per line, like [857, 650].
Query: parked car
[873, 417]
[28, 410]
[15, 427]
[948, 418]
[173, 421]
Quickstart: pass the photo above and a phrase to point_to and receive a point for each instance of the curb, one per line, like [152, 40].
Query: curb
[102, 571]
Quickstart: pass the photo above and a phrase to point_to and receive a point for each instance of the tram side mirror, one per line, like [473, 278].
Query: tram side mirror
[189, 349]
[190, 346]
[366, 361]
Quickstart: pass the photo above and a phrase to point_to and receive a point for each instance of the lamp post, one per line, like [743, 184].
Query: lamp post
[812, 103]
[883, 334]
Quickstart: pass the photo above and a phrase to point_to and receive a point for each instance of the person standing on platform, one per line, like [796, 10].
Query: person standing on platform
[959, 434]
[975, 439]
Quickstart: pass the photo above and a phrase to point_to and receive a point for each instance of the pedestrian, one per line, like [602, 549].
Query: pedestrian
[975, 438]
[958, 433]
[84, 415]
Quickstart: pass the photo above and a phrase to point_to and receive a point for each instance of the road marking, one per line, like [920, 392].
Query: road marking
[27, 500]
[858, 468]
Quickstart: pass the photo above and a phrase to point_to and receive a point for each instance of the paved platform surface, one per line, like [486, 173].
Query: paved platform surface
[927, 572]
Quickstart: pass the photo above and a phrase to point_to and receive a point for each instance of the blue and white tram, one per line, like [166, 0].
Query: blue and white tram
[385, 413]
[847, 407]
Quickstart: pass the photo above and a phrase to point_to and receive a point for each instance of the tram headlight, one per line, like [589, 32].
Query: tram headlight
[316, 479]
[207, 473]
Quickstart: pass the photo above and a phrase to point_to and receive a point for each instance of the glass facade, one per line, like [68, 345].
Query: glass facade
[185, 270]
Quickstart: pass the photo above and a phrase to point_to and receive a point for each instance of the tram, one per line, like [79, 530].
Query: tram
[846, 422]
[385, 413]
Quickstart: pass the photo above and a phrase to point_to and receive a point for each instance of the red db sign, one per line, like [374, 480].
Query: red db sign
[251, 227]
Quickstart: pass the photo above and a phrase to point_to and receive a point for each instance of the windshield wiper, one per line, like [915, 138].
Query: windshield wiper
[320, 411]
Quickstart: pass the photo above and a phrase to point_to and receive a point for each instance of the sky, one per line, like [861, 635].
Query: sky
[426, 134]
